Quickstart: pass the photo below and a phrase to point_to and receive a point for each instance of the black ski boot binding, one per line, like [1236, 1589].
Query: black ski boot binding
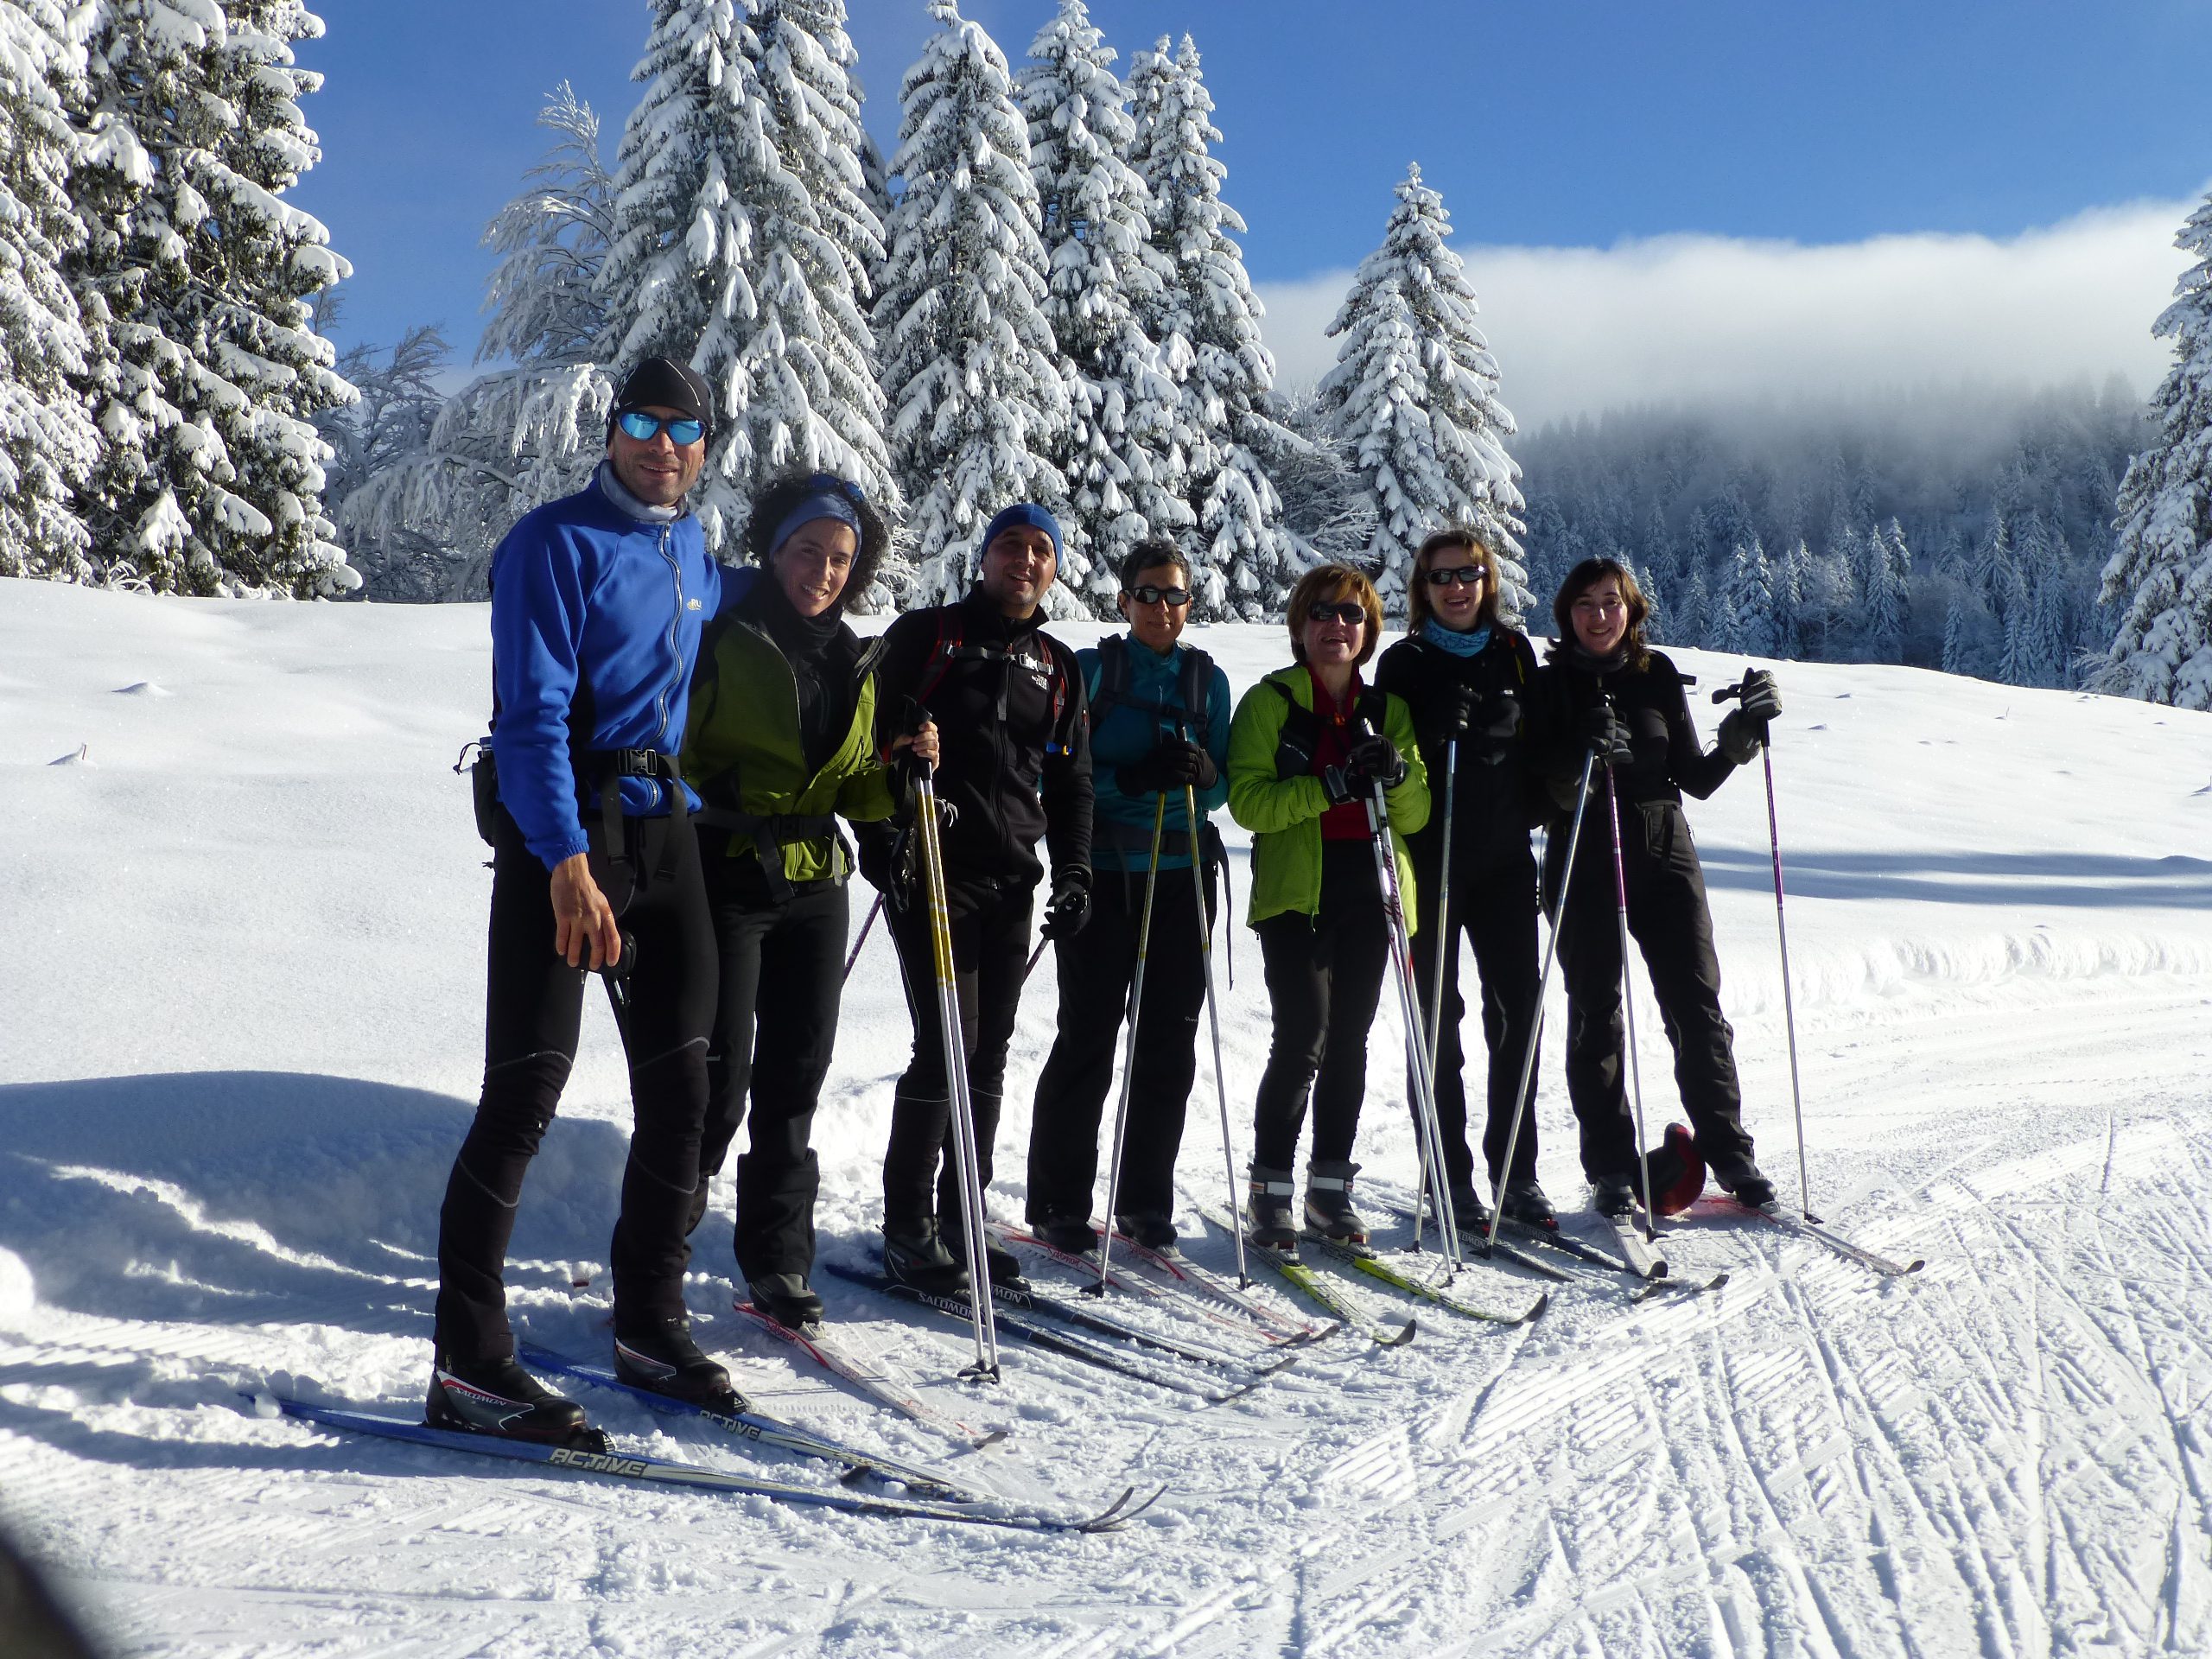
[496, 1396]
[1328, 1203]
[1742, 1179]
[1152, 1228]
[1613, 1195]
[1524, 1201]
[661, 1357]
[786, 1297]
[1073, 1234]
[919, 1260]
[1269, 1224]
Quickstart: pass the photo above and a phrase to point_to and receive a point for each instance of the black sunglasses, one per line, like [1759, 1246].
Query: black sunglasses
[1464, 576]
[1351, 611]
[1148, 594]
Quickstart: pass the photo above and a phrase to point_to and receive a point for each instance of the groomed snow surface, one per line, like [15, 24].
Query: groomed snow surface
[243, 914]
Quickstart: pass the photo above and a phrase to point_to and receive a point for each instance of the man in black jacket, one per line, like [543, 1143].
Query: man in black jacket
[1015, 766]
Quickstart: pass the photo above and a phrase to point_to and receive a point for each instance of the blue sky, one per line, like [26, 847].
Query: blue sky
[1566, 125]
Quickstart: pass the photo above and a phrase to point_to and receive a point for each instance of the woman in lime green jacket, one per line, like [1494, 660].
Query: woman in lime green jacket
[780, 744]
[1307, 747]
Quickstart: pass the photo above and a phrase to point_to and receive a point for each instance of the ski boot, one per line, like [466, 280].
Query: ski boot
[1677, 1171]
[1469, 1213]
[1741, 1178]
[660, 1357]
[1524, 1201]
[1154, 1229]
[1328, 1203]
[919, 1260]
[1269, 1224]
[1073, 1234]
[1613, 1195]
[496, 1396]
[1003, 1266]
[786, 1297]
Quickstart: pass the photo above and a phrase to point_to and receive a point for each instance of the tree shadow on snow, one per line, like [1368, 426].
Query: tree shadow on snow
[250, 1197]
[2092, 881]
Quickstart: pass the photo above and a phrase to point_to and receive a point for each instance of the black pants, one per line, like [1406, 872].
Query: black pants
[1324, 977]
[534, 1003]
[1494, 904]
[1667, 914]
[990, 950]
[775, 1023]
[1094, 969]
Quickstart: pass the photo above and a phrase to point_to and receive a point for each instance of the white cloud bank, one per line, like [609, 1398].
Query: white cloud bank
[1708, 321]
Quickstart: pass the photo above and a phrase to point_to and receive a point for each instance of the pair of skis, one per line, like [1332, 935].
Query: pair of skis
[1014, 1306]
[1808, 1226]
[1191, 1291]
[1590, 1264]
[936, 1497]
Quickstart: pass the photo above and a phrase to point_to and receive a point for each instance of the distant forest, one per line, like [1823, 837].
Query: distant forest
[1955, 530]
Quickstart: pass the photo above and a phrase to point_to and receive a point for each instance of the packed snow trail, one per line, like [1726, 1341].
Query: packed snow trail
[244, 993]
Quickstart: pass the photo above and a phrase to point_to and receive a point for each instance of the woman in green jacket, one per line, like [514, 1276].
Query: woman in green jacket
[1306, 749]
[780, 741]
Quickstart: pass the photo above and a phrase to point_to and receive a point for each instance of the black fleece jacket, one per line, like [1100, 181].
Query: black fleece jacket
[1667, 757]
[1012, 731]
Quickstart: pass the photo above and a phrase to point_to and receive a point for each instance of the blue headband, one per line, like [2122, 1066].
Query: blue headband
[1023, 514]
[824, 505]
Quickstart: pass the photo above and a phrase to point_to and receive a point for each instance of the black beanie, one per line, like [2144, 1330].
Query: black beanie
[664, 383]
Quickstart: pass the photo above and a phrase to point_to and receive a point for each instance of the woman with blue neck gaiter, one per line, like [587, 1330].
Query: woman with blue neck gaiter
[1467, 676]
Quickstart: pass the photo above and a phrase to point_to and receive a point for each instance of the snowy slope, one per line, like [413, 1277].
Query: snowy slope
[244, 908]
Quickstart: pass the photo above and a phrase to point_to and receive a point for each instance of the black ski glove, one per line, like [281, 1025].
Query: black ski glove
[1496, 723]
[1741, 736]
[1069, 908]
[1603, 734]
[879, 848]
[1376, 760]
[1452, 712]
[1173, 766]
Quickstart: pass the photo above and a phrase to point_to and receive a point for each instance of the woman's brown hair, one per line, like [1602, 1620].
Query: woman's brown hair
[1330, 584]
[1461, 539]
[1587, 575]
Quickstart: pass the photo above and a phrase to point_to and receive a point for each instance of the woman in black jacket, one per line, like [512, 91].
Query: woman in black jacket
[1620, 698]
[1470, 678]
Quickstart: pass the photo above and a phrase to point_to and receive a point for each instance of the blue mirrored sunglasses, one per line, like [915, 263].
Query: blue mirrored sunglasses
[644, 426]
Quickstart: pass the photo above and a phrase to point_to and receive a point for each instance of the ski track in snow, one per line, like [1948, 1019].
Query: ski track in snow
[245, 1011]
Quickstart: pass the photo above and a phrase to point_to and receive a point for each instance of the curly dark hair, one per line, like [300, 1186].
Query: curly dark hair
[781, 495]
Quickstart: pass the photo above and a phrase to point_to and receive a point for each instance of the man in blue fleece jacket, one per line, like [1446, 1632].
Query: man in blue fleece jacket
[597, 604]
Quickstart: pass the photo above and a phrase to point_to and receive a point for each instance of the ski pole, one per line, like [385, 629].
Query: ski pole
[1129, 1052]
[873, 910]
[1628, 1006]
[986, 1368]
[1213, 1014]
[1447, 940]
[1425, 1131]
[1035, 956]
[1782, 932]
[1543, 984]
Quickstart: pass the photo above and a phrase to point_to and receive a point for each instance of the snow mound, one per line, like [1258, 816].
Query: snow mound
[142, 688]
[80, 756]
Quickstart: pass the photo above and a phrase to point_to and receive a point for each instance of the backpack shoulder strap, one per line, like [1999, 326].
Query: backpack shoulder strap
[1198, 695]
[1113, 678]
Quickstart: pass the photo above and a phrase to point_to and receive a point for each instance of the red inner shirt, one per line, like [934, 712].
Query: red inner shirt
[1332, 748]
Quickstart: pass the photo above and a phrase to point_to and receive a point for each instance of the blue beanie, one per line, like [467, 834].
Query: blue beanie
[1024, 513]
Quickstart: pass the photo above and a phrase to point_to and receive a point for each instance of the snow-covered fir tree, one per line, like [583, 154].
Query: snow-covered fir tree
[1958, 650]
[47, 442]
[1886, 569]
[978, 401]
[390, 426]
[524, 433]
[1123, 456]
[196, 277]
[1744, 620]
[1208, 324]
[2161, 567]
[1414, 389]
[743, 242]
